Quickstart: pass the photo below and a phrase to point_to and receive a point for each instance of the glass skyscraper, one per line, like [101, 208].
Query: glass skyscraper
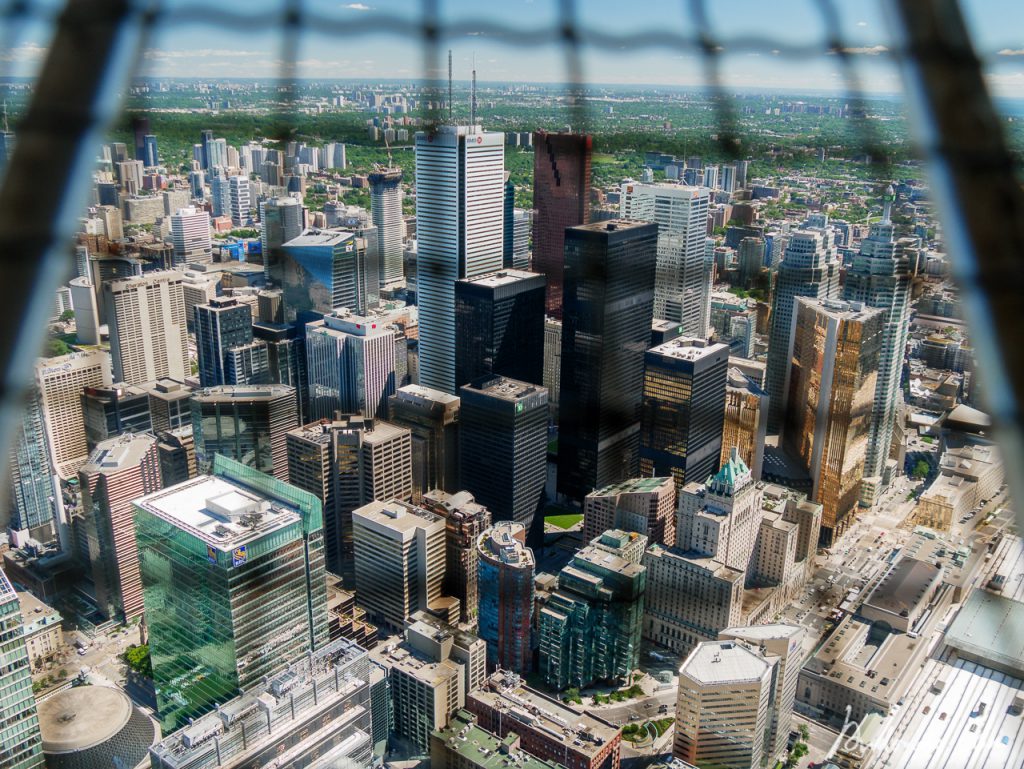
[31, 476]
[325, 270]
[233, 582]
[21, 746]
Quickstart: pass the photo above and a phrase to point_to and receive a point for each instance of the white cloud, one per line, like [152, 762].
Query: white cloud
[157, 54]
[862, 23]
[870, 50]
[1011, 52]
[357, 7]
[24, 52]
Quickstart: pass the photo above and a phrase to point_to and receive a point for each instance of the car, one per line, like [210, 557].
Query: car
[927, 709]
[943, 716]
[81, 652]
[974, 727]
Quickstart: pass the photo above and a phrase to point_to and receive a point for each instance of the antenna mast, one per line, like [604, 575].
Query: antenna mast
[449, 85]
[472, 96]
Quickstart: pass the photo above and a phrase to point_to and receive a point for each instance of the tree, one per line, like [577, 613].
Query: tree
[55, 347]
[137, 658]
[805, 733]
[67, 315]
[921, 470]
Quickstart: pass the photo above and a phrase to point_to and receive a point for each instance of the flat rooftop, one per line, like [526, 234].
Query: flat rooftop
[396, 516]
[685, 348]
[242, 392]
[723, 662]
[991, 627]
[317, 237]
[502, 278]
[632, 486]
[904, 586]
[478, 747]
[120, 452]
[222, 514]
[406, 659]
[415, 392]
[503, 387]
[696, 561]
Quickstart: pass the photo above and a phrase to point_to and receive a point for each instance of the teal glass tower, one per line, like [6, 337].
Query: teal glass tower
[21, 745]
[233, 584]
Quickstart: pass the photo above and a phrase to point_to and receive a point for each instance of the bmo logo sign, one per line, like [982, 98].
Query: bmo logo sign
[479, 140]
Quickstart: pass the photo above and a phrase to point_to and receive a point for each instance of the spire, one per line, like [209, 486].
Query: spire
[472, 96]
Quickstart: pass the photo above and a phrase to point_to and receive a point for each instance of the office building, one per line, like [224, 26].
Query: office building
[429, 633]
[506, 601]
[282, 220]
[462, 744]
[41, 628]
[217, 623]
[119, 470]
[240, 200]
[751, 260]
[21, 747]
[465, 520]
[170, 406]
[399, 560]
[834, 374]
[60, 382]
[350, 364]
[682, 286]
[459, 213]
[499, 327]
[115, 410]
[248, 423]
[386, 210]
[248, 364]
[432, 417]
[32, 488]
[318, 713]
[734, 322]
[199, 288]
[503, 446]
[809, 268]
[522, 224]
[590, 626]
[880, 277]
[644, 505]
[746, 420]
[148, 335]
[561, 199]
[683, 409]
[722, 712]
[190, 236]
[150, 155]
[607, 314]
[220, 325]
[325, 270]
[177, 454]
[552, 363]
[87, 319]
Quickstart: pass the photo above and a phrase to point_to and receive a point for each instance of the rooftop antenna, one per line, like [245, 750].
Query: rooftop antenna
[472, 96]
[449, 85]
[387, 144]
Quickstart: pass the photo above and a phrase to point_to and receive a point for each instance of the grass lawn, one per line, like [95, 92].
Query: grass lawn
[566, 521]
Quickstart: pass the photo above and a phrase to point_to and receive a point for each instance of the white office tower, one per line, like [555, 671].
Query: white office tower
[809, 268]
[386, 209]
[880, 277]
[350, 365]
[681, 291]
[190, 236]
[240, 199]
[148, 335]
[87, 321]
[460, 193]
[220, 193]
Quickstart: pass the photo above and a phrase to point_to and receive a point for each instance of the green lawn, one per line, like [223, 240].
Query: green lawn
[566, 521]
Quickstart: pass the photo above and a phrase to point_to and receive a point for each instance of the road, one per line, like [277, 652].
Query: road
[640, 709]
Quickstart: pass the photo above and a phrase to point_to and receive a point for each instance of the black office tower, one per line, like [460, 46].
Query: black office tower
[499, 326]
[503, 446]
[607, 311]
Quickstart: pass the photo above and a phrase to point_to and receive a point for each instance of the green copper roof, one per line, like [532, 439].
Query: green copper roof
[732, 470]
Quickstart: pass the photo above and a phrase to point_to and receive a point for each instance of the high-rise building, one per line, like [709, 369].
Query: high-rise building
[282, 220]
[606, 325]
[723, 709]
[809, 268]
[836, 351]
[552, 363]
[432, 417]
[465, 520]
[248, 423]
[325, 270]
[499, 327]
[240, 200]
[643, 505]
[150, 155]
[350, 364]
[682, 290]
[506, 601]
[459, 213]
[32, 486]
[148, 335]
[683, 409]
[60, 382]
[386, 210]
[220, 325]
[751, 260]
[561, 199]
[170, 406]
[22, 744]
[190, 236]
[115, 410]
[233, 583]
[248, 364]
[746, 420]
[590, 626]
[119, 470]
[399, 560]
[503, 446]
[880, 277]
[177, 453]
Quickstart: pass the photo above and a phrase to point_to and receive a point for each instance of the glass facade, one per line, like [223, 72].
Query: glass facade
[325, 270]
[21, 745]
[31, 476]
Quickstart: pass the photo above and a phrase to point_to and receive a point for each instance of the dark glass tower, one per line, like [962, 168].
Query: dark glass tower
[561, 198]
[222, 324]
[608, 308]
[499, 326]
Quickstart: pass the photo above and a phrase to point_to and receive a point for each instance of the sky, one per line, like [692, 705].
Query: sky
[622, 41]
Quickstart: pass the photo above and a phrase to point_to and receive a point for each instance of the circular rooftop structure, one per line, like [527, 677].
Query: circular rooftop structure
[87, 727]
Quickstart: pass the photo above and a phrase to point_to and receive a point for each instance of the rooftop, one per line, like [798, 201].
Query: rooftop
[990, 626]
[502, 278]
[506, 542]
[119, 452]
[317, 237]
[633, 486]
[695, 560]
[243, 392]
[36, 614]
[405, 658]
[904, 586]
[688, 349]
[480, 748]
[395, 516]
[723, 662]
[81, 717]
[415, 392]
[503, 387]
[839, 309]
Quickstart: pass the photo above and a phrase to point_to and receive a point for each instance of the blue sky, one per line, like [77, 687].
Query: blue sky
[190, 45]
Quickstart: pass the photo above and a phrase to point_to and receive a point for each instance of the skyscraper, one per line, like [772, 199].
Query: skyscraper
[386, 210]
[190, 236]
[32, 486]
[682, 290]
[220, 325]
[22, 744]
[832, 384]
[247, 423]
[880, 277]
[746, 420]
[499, 326]
[150, 155]
[325, 270]
[809, 268]
[119, 470]
[683, 409]
[643, 505]
[503, 446]
[506, 596]
[459, 213]
[148, 335]
[282, 221]
[240, 200]
[561, 199]
[432, 417]
[606, 326]
[112, 411]
[218, 621]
